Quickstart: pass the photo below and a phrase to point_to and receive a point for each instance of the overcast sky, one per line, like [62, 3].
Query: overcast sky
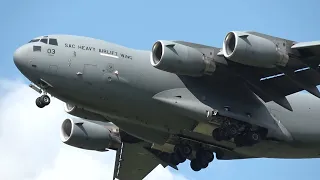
[30, 148]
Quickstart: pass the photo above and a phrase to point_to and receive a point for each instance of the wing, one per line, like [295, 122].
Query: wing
[274, 84]
[134, 162]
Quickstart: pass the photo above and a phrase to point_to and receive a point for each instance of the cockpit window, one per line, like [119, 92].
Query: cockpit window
[53, 42]
[34, 40]
[37, 48]
[44, 40]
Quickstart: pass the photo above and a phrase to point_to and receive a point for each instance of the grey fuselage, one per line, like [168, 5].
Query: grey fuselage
[121, 84]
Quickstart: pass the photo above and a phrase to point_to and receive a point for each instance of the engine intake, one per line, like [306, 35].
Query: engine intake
[180, 59]
[90, 136]
[252, 50]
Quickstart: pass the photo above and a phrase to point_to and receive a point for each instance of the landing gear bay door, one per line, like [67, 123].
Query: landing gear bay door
[134, 162]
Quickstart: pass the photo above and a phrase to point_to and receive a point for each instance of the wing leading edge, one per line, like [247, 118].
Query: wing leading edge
[274, 84]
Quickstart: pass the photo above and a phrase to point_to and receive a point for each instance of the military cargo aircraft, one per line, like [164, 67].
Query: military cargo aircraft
[181, 100]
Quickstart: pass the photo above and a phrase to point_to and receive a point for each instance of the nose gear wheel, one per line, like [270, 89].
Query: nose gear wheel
[43, 101]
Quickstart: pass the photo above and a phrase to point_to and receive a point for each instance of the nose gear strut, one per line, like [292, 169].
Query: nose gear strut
[43, 100]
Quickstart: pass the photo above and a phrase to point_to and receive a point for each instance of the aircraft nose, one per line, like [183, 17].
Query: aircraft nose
[20, 57]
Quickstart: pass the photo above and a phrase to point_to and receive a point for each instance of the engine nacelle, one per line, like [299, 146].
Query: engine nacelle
[180, 59]
[82, 113]
[252, 50]
[90, 136]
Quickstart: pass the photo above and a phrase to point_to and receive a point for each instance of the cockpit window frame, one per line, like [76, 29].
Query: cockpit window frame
[53, 41]
[34, 40]
[46, 42]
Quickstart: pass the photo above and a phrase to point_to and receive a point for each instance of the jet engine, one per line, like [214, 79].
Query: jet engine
[82, 113]
[252, 50]
[90, 136]
[180, 59]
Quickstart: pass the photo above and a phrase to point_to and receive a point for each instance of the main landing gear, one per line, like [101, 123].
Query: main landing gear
[202, 160]
[180, 154]
[43, 101]
[183, 151]
[242, 134]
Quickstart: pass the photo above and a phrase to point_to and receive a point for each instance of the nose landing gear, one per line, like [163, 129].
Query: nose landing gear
[43, 101]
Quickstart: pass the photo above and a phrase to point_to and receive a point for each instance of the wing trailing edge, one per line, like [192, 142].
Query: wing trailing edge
[265, 93]
[302, 83]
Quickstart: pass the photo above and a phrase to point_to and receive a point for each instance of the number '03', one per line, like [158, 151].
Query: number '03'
[51, 51]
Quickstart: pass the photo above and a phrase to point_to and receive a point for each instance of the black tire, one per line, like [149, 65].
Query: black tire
[194, 164]
[208, 155]
[239, 140]
[45, 100]
[39, 103]
[184, 150]
[232, 131]
[205, 165]
[254, 137]
[217, 135]
[182, 160]
[173, 159]
[204, 157]
[263, 132]
[179, 158]
[219, 154]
